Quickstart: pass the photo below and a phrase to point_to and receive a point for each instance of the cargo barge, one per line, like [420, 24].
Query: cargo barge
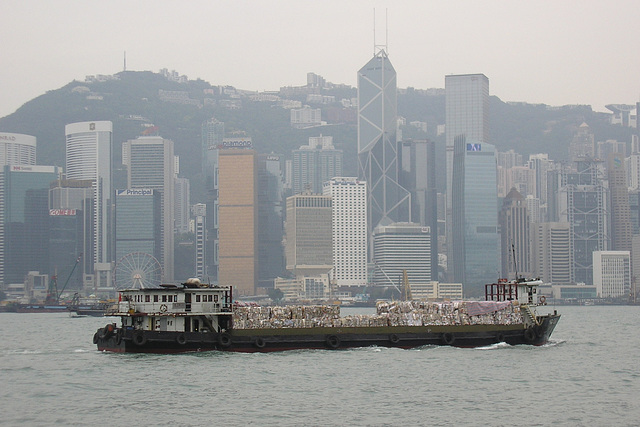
[197, 317]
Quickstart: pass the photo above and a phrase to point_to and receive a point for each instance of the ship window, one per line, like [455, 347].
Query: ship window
[175, 298]
[155, 298]
[147, 298]
[164, 298]
[197, 298]
[215, 298]
[170, 298]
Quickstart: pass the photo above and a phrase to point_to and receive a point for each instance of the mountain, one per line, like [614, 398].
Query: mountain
[136, 101]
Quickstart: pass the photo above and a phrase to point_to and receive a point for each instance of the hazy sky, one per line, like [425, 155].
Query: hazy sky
[552, 52]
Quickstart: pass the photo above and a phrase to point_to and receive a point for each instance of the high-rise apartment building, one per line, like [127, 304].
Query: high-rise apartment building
[515, 236]
[89, 151]
[401, 247]
[349, 230]
[151, 165]
[199, 212]
[620, 211]
[182, 204]
[476, 241]
[238, 219]
[315, 163]
[378, 165]
[467, 116]
[17, 149]
[582, 145]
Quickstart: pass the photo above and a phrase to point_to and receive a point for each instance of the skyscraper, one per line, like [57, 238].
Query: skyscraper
[349, 230]
[212, 139]
[238, 219]
[387, 201]
[620, 210]
[89, 149]
[467, 116]
[476, 242]
[315, 163]
[151, 165]
[17, 149]
[552, 258]
[515, 236]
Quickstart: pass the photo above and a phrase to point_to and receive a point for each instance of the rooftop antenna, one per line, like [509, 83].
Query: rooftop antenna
[382, 47]
[125, 60]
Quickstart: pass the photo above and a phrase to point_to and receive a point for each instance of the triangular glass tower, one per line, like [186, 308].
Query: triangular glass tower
[387, 201]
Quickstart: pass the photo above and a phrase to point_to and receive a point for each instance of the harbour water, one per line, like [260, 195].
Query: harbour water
[589, 374]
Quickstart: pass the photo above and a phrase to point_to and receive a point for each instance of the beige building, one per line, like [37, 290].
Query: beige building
[237, 218]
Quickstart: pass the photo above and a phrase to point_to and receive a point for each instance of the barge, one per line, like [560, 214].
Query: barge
[198, 317]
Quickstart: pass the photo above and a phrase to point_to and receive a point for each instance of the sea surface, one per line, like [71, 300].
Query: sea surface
[588, 375]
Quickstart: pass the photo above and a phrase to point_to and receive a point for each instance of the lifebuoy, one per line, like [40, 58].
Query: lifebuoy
[107, 331]
[259, 342]
[181, 339]
[542, 299]
[394, 339]
[333, 341]
[529, 334]
[95, 338]
[448, 338]
[163, 308]
[224, 339]
[139, 338]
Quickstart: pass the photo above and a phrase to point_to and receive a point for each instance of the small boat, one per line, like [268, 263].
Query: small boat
[199, 317]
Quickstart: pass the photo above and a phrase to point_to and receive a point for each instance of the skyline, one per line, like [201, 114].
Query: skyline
[551, 53]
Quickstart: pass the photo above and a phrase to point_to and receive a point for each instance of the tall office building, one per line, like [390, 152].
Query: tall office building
[418, 176]
[620, 210]
[24, 220]
[582, 144]
[387, 201]
[270, 225]
[199, 212]
[212, 139]
[238, 219]
[182, 204]
[467, 116]
[476, 242]
[314, 164]
[400, 247]
[17, 149]
[309, 242]
[349, 230]
[515, 236]
[151, 165]
[89, 151]
[540, 164]
[552, 257]
[583, 203]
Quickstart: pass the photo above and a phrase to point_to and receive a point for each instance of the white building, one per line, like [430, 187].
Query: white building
[612, 273]
[349, 230]
[17, 149]
[306, 117]
[89, 148]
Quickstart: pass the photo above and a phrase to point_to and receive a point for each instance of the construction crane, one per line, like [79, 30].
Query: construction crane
[53, 296]
[406, 287]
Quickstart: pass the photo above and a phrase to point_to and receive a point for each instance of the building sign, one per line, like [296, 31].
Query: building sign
[135, 192]
[236, 143]
[474, 147]
[62, 212]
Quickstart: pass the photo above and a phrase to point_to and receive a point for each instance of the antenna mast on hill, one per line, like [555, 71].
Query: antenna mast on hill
[125, 61]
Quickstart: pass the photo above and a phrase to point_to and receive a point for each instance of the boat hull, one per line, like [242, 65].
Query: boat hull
[269, 340]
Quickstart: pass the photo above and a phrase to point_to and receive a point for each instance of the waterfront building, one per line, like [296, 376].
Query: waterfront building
[309, 241]
[17, 149]
[89, 150]
[349, 230]
[466, 116]
[378, 165]
[612, 274]
[24, 220]
[151, 165]
[515, 236]
[314, 164]
[399, 247]
[476, 241]
[552, 257]
[238, 218]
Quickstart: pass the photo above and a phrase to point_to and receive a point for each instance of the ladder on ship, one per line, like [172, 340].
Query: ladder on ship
[530, 317]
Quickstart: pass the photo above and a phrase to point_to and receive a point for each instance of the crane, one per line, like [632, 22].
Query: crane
[53, 296]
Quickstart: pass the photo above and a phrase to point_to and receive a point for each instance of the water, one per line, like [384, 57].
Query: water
[52, 374]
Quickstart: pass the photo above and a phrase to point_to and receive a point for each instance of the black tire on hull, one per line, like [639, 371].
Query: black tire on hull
[448, 338]
[224, 339]
[500, 337]
[332, 341]
[139, 339]
[181, 339]
[259, 342]
[529, 334]
[394, 339]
